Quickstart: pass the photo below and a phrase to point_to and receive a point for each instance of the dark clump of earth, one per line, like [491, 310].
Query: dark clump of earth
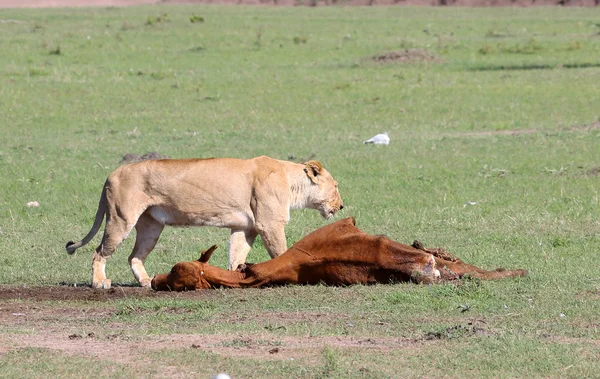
[406, 56]
[306, 3]
[456, 331]
[83, 292]
[131, 158]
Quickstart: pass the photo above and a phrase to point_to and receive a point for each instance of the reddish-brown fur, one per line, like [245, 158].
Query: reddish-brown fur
[336, 254]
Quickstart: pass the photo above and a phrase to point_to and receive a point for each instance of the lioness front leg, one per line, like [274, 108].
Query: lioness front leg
[274, 239]
[148, 231]
[240, 243]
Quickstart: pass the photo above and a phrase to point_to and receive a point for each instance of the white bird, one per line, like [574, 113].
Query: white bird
[380, 139]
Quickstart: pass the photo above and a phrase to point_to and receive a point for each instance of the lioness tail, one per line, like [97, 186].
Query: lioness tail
[72, 246]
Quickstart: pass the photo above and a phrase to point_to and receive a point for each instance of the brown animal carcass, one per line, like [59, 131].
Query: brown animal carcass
[336, 254]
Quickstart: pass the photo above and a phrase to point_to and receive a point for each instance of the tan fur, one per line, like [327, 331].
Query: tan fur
[251, 197]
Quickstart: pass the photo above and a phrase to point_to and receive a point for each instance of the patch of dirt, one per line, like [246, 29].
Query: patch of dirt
[287, 317]
[407, 56]
[79, 321]
[65, 293]
[494, 133]
[131, 158]
[575, 340]
[456, 331]
[517, 132]
[254, 346]
[467, 3]
[585, 128]
[72, 3]
[592, 294]
[85, 293]
[19, 314]
[595, 171]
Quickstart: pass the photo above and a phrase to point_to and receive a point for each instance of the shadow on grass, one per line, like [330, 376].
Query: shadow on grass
[519, 67]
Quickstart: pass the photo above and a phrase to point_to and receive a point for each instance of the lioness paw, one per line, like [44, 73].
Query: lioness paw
[103, 284]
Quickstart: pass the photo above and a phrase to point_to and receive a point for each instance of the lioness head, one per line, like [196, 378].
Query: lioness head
[323, 193]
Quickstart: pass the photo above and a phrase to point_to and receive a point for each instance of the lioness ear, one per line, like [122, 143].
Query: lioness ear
[313, 169]
[206, 254]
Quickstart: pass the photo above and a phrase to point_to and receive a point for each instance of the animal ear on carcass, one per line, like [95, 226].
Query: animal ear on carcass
[206, 254]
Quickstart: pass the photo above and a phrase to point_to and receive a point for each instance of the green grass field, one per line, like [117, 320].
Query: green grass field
[494, 155]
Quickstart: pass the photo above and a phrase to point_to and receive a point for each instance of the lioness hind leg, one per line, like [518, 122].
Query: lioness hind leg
[99, 272]
[240, 243]
[115, 232]
[147, 233]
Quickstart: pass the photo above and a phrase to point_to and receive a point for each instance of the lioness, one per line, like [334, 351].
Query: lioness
[250, 197]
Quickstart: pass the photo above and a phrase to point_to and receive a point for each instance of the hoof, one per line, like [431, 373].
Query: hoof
[146, 282]
[430, 269]
[428, 272]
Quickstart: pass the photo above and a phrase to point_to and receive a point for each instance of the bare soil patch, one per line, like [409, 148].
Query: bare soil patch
[72, 3]
[85, 293]
[65, 293]
[73, 321]
[407, 56]
[468, 3]
[518, 132]
[594, 171]
[592, 294]
[255, 346]
[131, 157]
[592, 126]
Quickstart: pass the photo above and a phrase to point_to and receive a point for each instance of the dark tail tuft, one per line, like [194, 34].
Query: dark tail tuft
[70, 252]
